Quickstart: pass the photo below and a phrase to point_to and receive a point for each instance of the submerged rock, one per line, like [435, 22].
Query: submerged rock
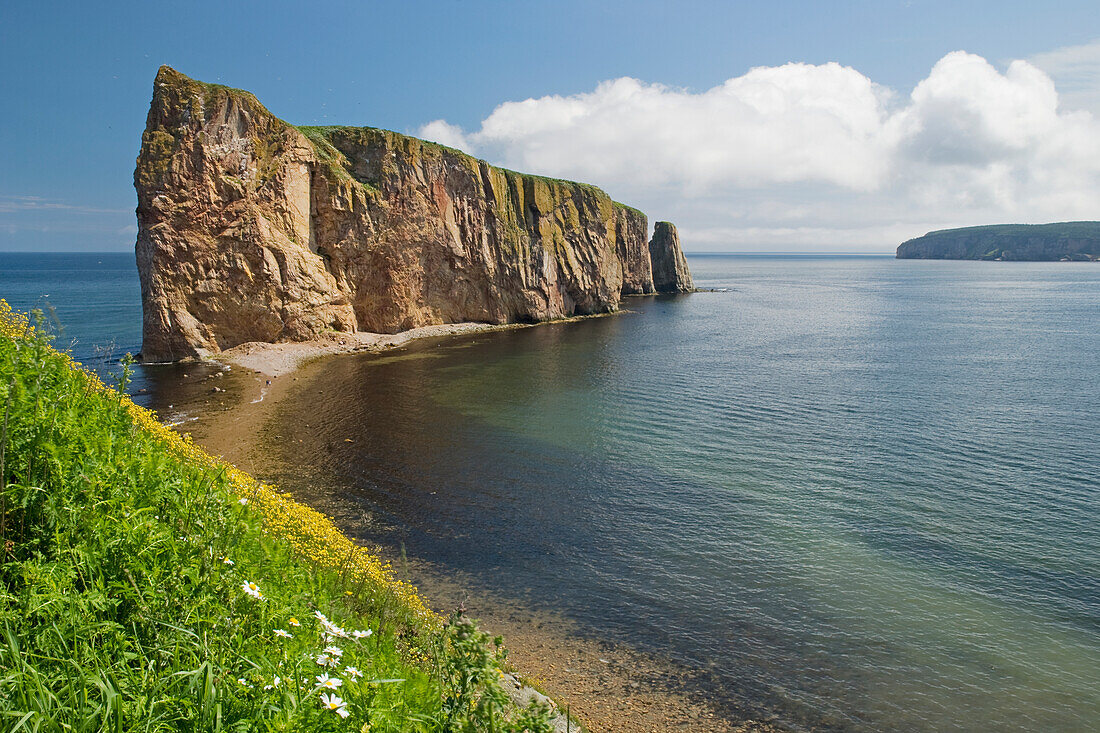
[252, 229]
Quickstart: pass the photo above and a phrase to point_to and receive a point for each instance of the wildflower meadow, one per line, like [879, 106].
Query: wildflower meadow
[145, 585]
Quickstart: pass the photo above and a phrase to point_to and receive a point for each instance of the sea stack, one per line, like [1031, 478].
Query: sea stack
[670, 269]
[252, 229]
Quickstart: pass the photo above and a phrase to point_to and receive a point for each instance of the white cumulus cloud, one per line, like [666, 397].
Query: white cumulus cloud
[740, 132]
[813, 156]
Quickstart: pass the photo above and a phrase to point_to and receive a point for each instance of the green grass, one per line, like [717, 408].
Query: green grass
[334, 162]
[320, 136]
[313, 132]
[631, 209]
[124, 604]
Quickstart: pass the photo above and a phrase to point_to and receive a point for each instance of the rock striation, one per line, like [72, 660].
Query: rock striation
[670, 268]
[252, 229]
[1068, 241]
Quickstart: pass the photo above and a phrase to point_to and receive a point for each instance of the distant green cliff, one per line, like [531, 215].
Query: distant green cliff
[1071, 241]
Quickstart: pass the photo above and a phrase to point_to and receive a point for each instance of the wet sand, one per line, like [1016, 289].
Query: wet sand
[609, 687]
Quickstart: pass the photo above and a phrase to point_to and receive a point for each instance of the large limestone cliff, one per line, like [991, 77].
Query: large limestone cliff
[251, 229]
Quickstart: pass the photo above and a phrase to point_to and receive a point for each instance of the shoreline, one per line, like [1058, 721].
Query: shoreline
[608, 686]
[282, 358]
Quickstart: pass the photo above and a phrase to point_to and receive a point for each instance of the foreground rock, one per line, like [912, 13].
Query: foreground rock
[251, 229]
[1064, 241]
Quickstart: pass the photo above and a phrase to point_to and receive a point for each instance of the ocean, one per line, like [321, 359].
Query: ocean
[861, 493]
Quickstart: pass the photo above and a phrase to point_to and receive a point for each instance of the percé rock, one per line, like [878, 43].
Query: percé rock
[1069, 241]
[670, 269]
[252, 229]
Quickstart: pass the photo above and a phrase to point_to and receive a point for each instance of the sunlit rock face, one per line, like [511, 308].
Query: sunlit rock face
[670, 268]
[251, 229]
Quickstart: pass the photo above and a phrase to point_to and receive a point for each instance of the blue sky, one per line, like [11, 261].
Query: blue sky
[76, 79]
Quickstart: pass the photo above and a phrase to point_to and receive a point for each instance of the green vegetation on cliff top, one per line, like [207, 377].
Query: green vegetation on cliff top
[321, 136]
[334, 162]
[145, 585]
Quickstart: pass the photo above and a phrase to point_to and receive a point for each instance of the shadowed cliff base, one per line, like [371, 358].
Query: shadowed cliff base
[253, 230]
[1069, 241]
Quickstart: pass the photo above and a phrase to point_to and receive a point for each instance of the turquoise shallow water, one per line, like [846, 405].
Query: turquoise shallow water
[861, 493]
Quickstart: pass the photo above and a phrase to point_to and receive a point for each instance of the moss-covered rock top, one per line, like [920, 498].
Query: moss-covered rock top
[323, 138]
[170, 80]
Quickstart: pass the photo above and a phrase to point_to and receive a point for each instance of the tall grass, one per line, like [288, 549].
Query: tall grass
[144, 585]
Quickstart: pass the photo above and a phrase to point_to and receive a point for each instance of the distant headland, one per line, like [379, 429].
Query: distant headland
[1067, 241]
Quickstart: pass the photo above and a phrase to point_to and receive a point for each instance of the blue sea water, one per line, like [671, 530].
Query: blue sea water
[91, 301]
[862, 493]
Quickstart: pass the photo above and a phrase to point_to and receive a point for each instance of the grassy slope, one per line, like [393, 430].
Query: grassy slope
[126, 551]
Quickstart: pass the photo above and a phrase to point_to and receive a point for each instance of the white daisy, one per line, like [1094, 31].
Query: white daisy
[329, 683]
[332, 629]
[283, 634]
[335, 704]
[360, 634]
[334, 651]
[252, 589]
[293, 621]
[352, 672]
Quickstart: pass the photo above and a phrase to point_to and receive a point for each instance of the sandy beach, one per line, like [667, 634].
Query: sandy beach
[276, 360]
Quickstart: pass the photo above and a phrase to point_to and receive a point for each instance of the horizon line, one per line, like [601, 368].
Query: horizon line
[785, 253]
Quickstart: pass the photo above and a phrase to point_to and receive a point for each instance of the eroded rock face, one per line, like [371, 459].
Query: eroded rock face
[631, 229]
[250, 229]
[670, 269]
